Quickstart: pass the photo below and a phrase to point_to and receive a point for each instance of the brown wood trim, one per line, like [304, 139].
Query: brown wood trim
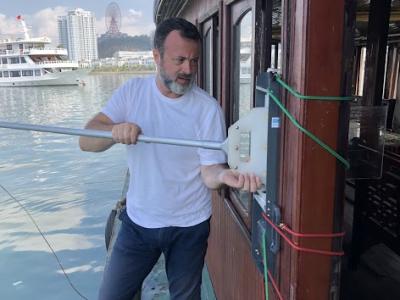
[209, 14]
[220, 37]
[313, 66]
[229, 260]
[228, 2]
[226, 40]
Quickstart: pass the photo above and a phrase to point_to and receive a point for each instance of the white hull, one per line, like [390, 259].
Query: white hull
[60, 78]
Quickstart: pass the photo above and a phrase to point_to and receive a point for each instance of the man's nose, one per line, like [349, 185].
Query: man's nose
[187, 67]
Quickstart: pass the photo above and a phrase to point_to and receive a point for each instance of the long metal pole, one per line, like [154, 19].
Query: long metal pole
[107, 134]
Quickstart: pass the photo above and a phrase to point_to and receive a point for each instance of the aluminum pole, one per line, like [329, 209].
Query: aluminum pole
[107, 134]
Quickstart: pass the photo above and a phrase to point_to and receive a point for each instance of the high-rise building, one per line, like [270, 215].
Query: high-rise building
[77, 33]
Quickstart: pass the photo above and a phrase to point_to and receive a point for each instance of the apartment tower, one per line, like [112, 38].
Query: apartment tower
[77, 33]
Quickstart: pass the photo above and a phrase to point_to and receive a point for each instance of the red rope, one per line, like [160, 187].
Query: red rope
[275, 286]
[286, 228]
[298, 248]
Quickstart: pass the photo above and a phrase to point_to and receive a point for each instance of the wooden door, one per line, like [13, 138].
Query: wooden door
[232, 270]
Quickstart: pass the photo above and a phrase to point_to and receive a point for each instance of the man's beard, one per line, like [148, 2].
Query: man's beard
[175, 87]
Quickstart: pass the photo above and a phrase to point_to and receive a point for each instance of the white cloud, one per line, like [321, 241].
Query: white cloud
[9, 27]
[42, 23]
[135, 13]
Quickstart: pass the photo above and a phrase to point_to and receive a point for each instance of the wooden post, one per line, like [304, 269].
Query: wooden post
[312, 63]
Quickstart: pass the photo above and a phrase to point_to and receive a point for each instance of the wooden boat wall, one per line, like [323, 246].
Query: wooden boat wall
[324, 48]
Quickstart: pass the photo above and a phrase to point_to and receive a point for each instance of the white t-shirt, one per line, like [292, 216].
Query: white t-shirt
[165, 187]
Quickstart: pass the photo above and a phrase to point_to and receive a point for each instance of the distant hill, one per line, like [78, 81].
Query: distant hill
[107, 44]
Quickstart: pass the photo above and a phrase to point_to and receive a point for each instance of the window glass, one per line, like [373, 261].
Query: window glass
[243, 61]
[27, 72]
[4, 60]
[5, 73]
[243, 78]
[15, 74]
[14, 60]
[37, 73]
[23, 61]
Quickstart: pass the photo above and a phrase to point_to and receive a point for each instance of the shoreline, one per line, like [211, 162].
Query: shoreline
[122, 72]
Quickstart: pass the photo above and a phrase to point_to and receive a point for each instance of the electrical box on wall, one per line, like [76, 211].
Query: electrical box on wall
[265, 201]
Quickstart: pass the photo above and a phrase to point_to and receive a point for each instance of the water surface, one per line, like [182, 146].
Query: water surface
[68, 192]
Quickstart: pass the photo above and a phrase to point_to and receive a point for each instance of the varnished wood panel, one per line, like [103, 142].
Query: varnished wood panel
[229, 260]
[313, 53]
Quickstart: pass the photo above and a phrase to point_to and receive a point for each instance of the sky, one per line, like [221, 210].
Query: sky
[41, 16]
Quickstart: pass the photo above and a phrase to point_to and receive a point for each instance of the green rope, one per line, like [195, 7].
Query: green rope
[264, 253]
[304, 97]
[305, 131]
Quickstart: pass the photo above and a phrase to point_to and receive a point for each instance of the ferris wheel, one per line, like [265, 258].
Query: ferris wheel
[113, 19]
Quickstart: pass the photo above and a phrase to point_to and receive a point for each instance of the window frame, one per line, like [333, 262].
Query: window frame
[210, 25]
[237, 10]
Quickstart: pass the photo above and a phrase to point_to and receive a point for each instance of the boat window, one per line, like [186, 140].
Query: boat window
[1, 74]
[242, 81]
[27, 72]
[4, 60]
[37, 73]
[14, 60]
[9, 47]
[15, 73]
[23, 61]
[5, 73]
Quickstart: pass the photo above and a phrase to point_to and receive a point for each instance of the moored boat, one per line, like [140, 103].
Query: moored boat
[31, 61]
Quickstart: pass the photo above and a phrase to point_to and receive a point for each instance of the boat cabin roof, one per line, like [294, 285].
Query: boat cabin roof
[39, 40]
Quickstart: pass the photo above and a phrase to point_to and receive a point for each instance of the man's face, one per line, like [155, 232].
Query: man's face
[177, 66]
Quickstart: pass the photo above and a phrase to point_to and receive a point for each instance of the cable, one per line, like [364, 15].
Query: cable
[275, 286]
[298, 248]
[47, 242]
[286, 228]
[305, 97]
[326, 147]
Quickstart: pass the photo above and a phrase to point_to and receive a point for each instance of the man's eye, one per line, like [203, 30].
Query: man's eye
[179, 60]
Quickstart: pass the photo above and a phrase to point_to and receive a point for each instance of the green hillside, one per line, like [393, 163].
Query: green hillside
[108, 45]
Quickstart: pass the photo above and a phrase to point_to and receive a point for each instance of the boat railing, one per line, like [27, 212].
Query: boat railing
[55, 62]
[28, 51]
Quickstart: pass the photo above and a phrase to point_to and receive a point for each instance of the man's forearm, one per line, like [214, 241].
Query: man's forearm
[96, 144]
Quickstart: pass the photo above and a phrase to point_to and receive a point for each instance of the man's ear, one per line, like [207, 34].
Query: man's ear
[156, 56]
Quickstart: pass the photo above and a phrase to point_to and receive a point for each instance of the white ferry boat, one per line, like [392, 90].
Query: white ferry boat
[32, 62]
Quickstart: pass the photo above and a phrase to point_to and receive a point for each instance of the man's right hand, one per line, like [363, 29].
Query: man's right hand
[125, 133]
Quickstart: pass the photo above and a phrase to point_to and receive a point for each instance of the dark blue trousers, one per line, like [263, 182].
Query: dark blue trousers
[137, 250]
